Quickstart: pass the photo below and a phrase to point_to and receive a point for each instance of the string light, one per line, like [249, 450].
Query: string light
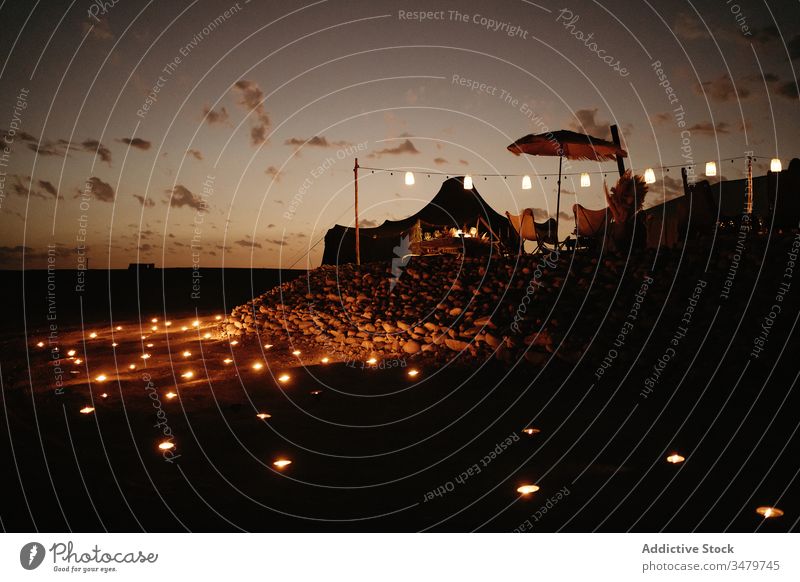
[409, 178]
[649, 176]
[526, 182]
[585, 180]
[775, 165]
[467, 182]
[711, 169]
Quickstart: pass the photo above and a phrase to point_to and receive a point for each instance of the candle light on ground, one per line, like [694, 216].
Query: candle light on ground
[101, 378]
[154, 328]
[114, 344]
[263, 415]
[196, 323]
[40, 345]
[267, 346]
[675, 459]
[186, 354]
[218, 317]
[104, 395]
[284, 378]
[530, 431]
[316, 392]
[257, 366]
[93, 335]
[235, 343]
[207, 335]
[87, 410]
[165, 445]
[184, 328]
[527, 489]
[119, 328]
[171, 395]
[148, 345]
[131, 366]
[78, 361]
[71, 353]
[372, 361]
[325, 360]
[296, 352]
[154, 320]
[187, 375]
[145, 356]
[227, 361]
[413, 372]
[768, 512]
[282, 463]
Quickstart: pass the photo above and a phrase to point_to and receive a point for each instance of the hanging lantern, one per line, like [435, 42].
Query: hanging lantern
[526, 182]
[409, 178]
[775, 165]
[585, 180]
[649, 176]
[467, 182]
[711, 169]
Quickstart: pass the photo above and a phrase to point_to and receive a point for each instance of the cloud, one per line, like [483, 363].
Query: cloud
[146, 202]
[101, 191]
[212, 116]
[98, 30]
[661, 118]
[788, 90]
[273, 241]
[48, 187]
[136, 142]
[196, 154]
[248, 244]
[316, 141]
[708, 128]
[463, 162]
[404, 148]
[251, 97]
[181, 196]
[588, 123]
[274, 173]
[794, 47]
[440, 161]
[94, 146]
[722, 89]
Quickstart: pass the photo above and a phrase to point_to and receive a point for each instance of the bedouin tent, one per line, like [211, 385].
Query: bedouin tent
[452, 207]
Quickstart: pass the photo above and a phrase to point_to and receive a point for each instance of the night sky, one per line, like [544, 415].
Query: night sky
[139, 128]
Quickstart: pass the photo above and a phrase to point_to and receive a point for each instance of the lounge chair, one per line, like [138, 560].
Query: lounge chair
[590, 224]
[542, 233]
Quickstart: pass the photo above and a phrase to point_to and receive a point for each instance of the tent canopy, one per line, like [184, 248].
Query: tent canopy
[452, 207]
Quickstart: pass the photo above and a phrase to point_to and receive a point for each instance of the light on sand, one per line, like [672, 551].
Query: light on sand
[263, 415]
[227, 361]
[114, 344]
[284, 378]
[101, 378]
[93, 335]
[235, 343]
[372, 361]
[167, 323]
[184, 328]
[530, 431]
[325, 360]
[145, 356]
[281, 463]
[132, 366]
[413, 372]
[217, 317]
[769, 512]
[187, 375]
[267, 346]
[40, 345]
[87, 410]
[649, 176]
[171, 395]
[186, 354]
[71, 353]
[154, 320]
[195, 323]
[258, 366]
[296, 353]
[104, 395]
[207, 335]
[527, 489]
[78, 361]
[119, 328]
[154, 328]
[675, 459]
[148, 345]
[165, 445]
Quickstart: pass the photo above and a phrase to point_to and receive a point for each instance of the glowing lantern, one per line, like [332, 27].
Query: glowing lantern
[93, 335]
[166, 445]
[586, 181]
[263, 415]
[132, 366]
[145, 356]
[87, 410]
[711, 168]
[119, 328]
[649, 176]
[325, 360]
[195, 323]
[284, 378]
[114, 344]
[527, 489]
[526, 182]
[101, 378]
[149, 345]
[207, 335]
[187, 375]
[184, 328]
[413, 372]
[218, 317]
[144, 337]
[769, 512]
[71, 353]
[154, 328]
[281, 463]
[467, 182]
[40, 345]
[775, 165]
[530, 431]
[227, 361]
[409, 178]
[170, 395]
[167, 323]
[258, 366]
[296, 352]
[675, 459]
[104, 395]
[186, 354]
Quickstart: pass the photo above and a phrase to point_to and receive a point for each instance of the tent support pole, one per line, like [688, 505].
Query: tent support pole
[618, 143]
[358, 245]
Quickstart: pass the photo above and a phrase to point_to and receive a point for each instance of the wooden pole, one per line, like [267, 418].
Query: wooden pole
[749, 205]
[358, 244]
[618, 143]
[558, 200]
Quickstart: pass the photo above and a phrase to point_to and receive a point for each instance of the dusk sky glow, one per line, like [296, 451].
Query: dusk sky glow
[234, 125]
